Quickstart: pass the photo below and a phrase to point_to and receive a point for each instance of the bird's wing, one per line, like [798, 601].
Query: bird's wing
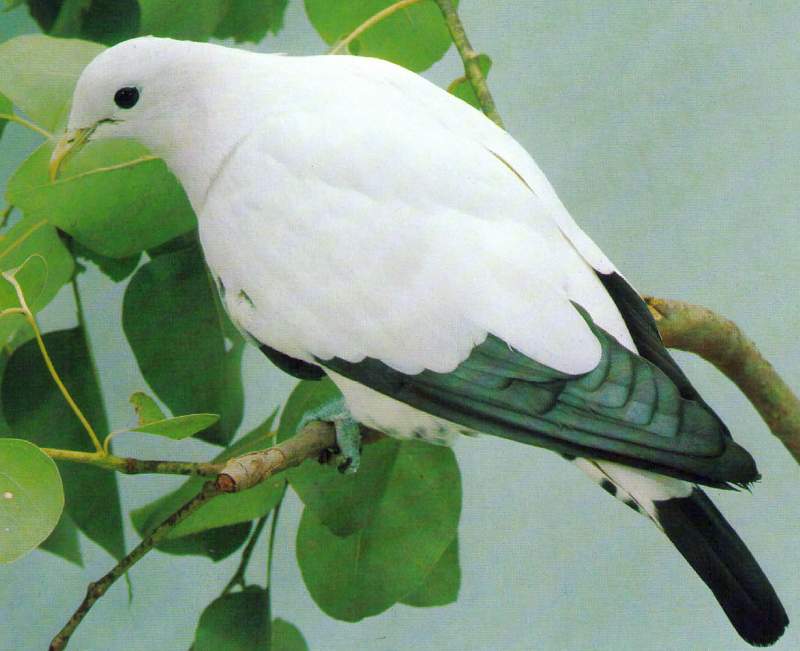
[625, 410]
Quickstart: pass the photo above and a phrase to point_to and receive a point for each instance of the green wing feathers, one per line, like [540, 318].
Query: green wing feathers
[627, 409]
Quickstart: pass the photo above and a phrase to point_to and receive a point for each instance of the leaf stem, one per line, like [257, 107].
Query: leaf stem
[239, 576]
[370, 22]
[272, 530]
[28, 314]
[13, 117]
[470, 58]
[98, 588]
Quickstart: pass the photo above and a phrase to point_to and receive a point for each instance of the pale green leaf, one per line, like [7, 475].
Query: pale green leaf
[36, 411]
[287, 637]
[178, 335]
[415, 37]
[31, 498]
[223, 510]
[409, 524]
[38, 74]
[35, 240]
[442, 584]
[147, 410]
[179, 427]
[239, 621]
[461, 87]
[112, 197]
[193, 21]
[246, 20]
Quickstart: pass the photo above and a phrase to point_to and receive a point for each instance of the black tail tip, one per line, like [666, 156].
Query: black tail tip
[721, 559]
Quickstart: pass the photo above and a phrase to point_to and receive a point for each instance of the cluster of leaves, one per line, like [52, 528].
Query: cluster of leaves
[365, 542]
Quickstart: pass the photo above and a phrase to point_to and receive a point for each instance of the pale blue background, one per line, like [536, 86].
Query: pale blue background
[671, 132]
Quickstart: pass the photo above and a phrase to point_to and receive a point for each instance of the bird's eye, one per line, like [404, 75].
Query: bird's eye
[126, 97]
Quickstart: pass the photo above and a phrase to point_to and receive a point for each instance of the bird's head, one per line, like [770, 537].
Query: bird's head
[138, 89]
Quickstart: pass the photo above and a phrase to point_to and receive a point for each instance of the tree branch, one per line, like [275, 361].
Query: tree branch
[719, 341]
[237, 475]
[100, 587]
[470, 58]
[130, 466]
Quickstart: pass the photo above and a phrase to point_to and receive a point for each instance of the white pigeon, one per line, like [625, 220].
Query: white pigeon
[364, 224]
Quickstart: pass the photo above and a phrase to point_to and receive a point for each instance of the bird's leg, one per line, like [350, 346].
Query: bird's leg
[348, 433]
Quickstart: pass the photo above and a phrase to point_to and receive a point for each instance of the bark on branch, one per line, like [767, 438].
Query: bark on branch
[717, 340]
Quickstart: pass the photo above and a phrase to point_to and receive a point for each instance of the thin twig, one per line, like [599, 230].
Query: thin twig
[100, 587]
[719, 341]
[130, 466]
[13, 117]
[272, 530]
[31, 319]
[371, 22]
[470, 58]
[238, 577]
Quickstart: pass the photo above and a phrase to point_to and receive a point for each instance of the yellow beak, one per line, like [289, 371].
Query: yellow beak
[70, 143]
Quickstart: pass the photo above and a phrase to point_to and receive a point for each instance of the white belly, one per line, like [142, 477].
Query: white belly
[395, 418]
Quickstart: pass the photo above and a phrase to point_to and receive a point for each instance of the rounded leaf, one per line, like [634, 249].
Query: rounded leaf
[31, 498]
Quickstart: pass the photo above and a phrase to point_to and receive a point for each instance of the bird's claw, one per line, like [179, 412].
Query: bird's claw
[346, 455]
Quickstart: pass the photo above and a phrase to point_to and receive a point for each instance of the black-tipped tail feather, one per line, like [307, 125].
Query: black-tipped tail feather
[721, 559]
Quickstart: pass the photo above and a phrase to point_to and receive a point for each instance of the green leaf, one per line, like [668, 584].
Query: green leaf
[194, 21]
[5, 107]
[461, 87]
[36, 411]
[216, 544]
[223, 510]
[179, 427]
[147, 410]
[177, 333]
[31, 237]
[246, 20]
[38, 74]
[442, 585]
[112, 198]
[105, 21]
[31, 498]
[411, 521]
[239, 621]
[415, 37]
[287, 637]
[117, 269]
[307, 395]
[63, 541]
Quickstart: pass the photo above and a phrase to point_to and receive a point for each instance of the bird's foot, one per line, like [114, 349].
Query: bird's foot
[347, 454]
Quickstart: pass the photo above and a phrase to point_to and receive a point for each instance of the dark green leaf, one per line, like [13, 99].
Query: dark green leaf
[70, 16]
[179, 427]
[442, 585]
[411, 522]
[239, 621]
[287, 637]
[461, 87]
[223, 510]
[307, 395]
[31, 237]
[215, 543]
[31, 498]
[64, 541]
[415, 37]
[44, 96]
[118, 269]
[194, 21]
[5, 107]
[147, 411]
[36, 411]
[177, 333]
[112, 197]
[246, 20]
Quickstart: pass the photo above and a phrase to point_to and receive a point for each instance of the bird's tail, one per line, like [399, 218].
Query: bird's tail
[721, 559]
[706, 540]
